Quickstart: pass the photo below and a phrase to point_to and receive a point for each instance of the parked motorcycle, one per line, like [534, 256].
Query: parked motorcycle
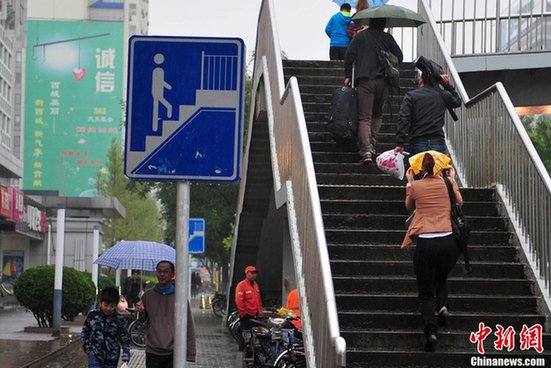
[219, 304]
[273, 342]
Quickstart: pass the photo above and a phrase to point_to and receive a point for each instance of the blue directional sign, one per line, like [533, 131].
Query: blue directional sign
[184, 108]
[196, 235]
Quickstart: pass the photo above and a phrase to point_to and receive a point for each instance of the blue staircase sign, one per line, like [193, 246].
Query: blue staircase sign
[184, 108]
[196, 236]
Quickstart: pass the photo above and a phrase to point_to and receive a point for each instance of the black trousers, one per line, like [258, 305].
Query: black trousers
[433, 260]
[337, 53]
[158, 361]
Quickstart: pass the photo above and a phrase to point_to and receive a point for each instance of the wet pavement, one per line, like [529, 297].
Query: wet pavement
[19, 348]
[215, 346]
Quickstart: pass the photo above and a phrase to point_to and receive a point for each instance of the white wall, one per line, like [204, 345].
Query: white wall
[57, 9]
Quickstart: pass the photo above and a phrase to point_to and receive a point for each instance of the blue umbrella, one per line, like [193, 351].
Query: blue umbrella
[136, 255]
[372, 3]
[351, 2]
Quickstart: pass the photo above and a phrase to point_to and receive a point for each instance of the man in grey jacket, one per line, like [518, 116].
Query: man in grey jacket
[158, 307]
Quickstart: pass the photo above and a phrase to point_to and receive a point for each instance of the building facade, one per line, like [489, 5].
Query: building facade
[52, 107]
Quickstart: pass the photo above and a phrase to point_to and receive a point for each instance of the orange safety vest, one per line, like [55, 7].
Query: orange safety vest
[294, 305]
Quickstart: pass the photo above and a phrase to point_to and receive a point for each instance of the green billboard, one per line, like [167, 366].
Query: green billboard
[73, 94]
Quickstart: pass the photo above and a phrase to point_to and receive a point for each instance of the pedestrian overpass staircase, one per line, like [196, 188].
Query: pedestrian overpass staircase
[345, 221]
[375, 288]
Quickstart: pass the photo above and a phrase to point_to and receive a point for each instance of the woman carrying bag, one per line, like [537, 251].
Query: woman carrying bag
[436, 251]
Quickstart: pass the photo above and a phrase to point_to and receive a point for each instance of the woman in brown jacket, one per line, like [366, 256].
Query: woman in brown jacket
[436, 250]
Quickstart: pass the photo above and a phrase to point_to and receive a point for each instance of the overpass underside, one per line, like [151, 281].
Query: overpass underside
[263, 235]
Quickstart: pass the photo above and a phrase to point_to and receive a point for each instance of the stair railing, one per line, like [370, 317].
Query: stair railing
[295, 186]
[490, 146]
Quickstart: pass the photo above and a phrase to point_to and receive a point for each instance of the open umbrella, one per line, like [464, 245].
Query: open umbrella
[353, 3]
[441, 161]
[136, 255]
[396, 16]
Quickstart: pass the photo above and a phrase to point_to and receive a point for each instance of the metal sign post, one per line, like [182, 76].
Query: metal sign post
[182, 282]
[58, 281]
[184, 121]
[95, 254]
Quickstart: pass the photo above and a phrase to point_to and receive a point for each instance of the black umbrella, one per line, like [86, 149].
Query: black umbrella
[396, 16]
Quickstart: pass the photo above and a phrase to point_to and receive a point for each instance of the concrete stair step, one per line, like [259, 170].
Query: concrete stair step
[406, 71]
[387, 206]
[457, 320]
[480, 304]
[326, 96]
[346, 168]
[393, 105]
[317, 121]
[326, 137]
[328, 89]
[356, 179]
[397, 222]
[397, 192]
[457, 285]
[449, 341]
[504, 270]
[387, 236]
[479, 253]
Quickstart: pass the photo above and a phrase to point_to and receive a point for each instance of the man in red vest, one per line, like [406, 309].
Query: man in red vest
[248, 301]
[247, 298]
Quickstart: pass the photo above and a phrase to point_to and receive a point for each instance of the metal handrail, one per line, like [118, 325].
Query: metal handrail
[295, 186]
[490, 147]
[492, 26]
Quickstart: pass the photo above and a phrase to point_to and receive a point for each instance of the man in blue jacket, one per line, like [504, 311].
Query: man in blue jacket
[336, 29]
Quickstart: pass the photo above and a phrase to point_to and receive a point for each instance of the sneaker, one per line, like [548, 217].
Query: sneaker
[430, 345]
[430, 336]
[367, 159]
[443, 314]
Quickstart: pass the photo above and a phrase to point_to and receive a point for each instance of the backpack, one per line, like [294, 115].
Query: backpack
[390, 64]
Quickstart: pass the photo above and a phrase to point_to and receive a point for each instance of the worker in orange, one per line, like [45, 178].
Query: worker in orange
[247, 298]
[293, 303]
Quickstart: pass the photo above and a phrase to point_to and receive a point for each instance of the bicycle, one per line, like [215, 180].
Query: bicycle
[6, 287]
[136, 328]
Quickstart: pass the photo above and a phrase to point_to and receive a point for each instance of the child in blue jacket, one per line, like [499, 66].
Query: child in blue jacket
[337, 30]
[104, 333]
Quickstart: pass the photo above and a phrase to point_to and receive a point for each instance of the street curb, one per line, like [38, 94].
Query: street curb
[42, 361]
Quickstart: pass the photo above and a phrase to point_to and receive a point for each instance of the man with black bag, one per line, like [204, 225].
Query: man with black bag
[371, 81]
[421, 122]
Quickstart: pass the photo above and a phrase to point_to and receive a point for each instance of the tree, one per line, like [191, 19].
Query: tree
[216, 203]
[142, 220]
[539, 131]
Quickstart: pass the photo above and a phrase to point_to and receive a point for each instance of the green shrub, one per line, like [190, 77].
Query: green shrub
[105, 281]
[34, 289]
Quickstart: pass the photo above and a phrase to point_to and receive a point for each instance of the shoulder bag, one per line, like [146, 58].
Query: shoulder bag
[460, 227]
